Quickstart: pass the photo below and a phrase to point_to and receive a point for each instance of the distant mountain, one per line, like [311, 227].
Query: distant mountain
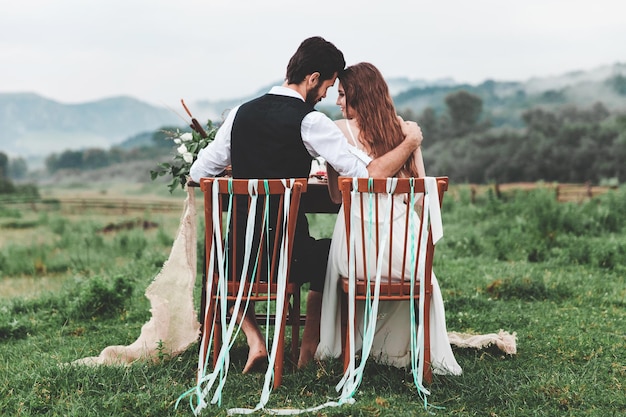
[505, 102]
[206, 109]
[33, 126]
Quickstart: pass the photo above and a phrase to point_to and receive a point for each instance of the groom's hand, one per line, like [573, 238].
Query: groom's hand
[412, 132]
[390, 163]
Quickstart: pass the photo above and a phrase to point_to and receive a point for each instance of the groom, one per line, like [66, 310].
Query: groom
[277, 135]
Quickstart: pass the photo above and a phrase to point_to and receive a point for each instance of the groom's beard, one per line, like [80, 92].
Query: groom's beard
[313, 96]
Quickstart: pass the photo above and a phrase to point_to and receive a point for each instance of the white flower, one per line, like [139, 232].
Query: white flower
[188, 157]
[177, 141]
[186, 137]
[182, 149]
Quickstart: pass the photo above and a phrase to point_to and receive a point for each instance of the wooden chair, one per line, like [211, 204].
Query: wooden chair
[261, 282]
[403, 246]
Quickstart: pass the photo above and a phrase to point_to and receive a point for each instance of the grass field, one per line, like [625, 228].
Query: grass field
[552, 272]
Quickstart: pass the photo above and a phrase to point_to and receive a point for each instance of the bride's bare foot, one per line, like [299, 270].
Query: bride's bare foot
[256, 357]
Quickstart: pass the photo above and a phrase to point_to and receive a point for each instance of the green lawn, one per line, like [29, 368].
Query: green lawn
[553, 273]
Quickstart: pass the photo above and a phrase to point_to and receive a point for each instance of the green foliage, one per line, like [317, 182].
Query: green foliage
[565, 145]
[94, 158]
[533, 226]
[9, 212]
[75, 246]
[6, 186]
[99, 298]
[471, 134]
[96, 298]
[188, 147]
[527, 289]
[25, 193]
[12, 327]
[4, 165]
[464, 109]
[566, 306]
[618, 83]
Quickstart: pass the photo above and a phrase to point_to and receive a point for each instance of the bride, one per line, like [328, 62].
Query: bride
[370, 125]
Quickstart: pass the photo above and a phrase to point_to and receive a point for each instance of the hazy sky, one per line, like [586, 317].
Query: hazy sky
[163, 50]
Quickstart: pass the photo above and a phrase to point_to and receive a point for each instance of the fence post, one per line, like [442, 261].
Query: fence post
[557, 191]
[497, 190]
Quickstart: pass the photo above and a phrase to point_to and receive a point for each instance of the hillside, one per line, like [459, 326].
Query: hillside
[33, 126]
[504, 102]
[214, 110]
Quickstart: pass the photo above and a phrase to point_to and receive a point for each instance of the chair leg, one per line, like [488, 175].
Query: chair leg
[345, 329]
[294, 317]
[280, 352]
[207, 326]
[217, 339]
[428, 372]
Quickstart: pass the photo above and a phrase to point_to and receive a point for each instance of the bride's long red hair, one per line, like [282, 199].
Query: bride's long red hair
[367, 94]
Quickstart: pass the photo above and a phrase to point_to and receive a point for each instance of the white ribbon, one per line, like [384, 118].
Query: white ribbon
[215, 380]
[432, 216]
[353, 375]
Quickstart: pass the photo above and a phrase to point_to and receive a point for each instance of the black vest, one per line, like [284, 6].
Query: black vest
[266, 140]
[266, 143]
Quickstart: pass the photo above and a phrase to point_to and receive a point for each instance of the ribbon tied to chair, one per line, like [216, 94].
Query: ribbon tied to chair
[214, 381]
[354, 374]
[431, 217]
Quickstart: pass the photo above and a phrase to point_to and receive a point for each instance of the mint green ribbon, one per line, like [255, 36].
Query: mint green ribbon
[215, 380]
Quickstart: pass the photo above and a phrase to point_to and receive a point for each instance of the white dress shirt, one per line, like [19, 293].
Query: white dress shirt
[320, 135]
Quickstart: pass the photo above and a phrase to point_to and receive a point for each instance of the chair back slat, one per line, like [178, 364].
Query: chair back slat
[262, 257]
[393, 218]
[373, 209]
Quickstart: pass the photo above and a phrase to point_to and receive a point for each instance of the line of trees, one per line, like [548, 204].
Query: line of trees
[564, 144]
[93, 158]
[11, 169]
[15, 169]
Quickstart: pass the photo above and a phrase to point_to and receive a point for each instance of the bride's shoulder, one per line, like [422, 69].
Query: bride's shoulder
[341, 124]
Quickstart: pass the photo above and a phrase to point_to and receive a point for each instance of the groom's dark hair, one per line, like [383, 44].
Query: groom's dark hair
[315, 54]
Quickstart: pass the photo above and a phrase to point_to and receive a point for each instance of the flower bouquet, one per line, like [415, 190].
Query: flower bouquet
[188, 145]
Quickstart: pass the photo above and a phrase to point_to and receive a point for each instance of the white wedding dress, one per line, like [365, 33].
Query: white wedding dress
[391, 343]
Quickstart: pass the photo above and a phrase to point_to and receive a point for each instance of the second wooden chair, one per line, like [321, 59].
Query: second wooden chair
[386, 239]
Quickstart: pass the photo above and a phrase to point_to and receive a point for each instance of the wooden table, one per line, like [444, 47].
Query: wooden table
[316, 199]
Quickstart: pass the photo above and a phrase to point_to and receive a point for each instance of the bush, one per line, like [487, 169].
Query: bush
[526, 288]
[533, 226]
[11, 327]
[99, 298]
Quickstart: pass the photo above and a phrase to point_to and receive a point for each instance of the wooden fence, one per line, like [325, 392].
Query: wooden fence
[80, 205]
[577, 193]
[76, 205]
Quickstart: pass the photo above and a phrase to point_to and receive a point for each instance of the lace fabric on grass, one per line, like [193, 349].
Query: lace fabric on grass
[173, 326]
